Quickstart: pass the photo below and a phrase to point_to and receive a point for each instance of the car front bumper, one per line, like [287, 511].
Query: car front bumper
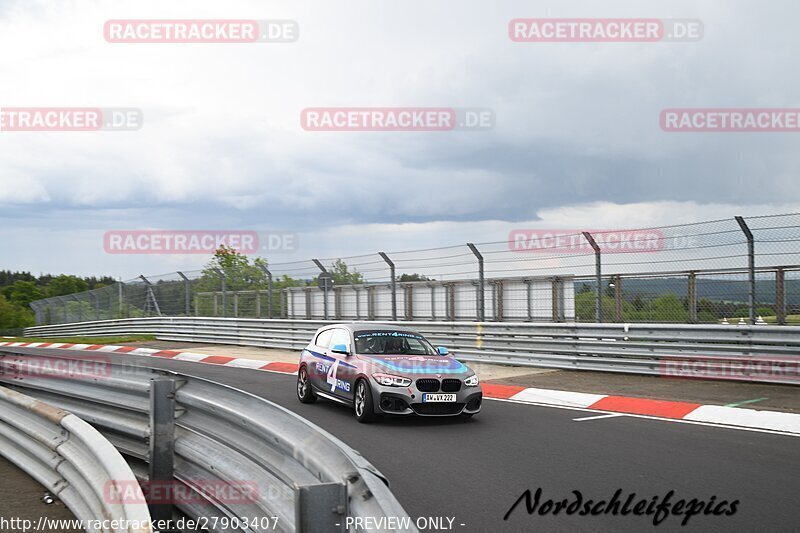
[409, 401]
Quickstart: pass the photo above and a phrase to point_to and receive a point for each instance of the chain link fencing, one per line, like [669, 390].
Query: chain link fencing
[740, 270]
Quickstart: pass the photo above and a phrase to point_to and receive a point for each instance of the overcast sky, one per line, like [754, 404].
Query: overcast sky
[576, 143]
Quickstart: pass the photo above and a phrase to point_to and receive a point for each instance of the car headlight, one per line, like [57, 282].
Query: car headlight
[392, 381]
[472, 381]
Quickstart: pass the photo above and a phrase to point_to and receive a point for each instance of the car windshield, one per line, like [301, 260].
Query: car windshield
[389, 342]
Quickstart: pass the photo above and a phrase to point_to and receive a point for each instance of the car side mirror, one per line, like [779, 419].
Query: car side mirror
[341, 348]
[442, 350]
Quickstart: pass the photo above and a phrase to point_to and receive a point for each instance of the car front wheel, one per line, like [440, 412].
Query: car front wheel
[362, 403]
[304, 392]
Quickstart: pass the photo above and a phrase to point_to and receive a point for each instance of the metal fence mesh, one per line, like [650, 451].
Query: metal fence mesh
[708, 272]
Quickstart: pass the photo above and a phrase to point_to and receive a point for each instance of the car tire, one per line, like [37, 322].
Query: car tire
[304, 391]
[467, 416]
[363, 406]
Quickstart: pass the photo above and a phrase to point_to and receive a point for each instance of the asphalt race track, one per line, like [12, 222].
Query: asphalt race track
[475, 470]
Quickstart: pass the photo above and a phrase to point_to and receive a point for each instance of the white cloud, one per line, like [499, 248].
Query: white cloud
[576, 142]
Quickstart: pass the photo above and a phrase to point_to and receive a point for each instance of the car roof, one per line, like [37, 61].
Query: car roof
[368, 326]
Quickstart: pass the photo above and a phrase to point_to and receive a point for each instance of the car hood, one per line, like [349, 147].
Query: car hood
[415, 364]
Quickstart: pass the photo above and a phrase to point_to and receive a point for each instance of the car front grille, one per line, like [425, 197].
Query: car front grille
[437, 408]
[428, 385]
[451, 385]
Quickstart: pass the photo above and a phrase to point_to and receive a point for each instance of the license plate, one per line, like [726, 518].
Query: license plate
[438, 398]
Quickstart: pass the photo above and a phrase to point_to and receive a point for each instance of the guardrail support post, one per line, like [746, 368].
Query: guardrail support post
[394, 283]
[321, 507]
[751, 267]
[187, 289]
[780, 296]
[598, 290]
[162, 440]
[692, 297]
[481, 293]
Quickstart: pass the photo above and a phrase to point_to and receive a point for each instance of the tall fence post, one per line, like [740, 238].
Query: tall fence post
[187, 290]
[162, 441]
[121, 298]
[618, 300]
[221, 275]
[598, 290]
[751, 267]
[79, 307]
[325, 287]
[96, 300]
[64, 309]
[394, 283]
[151, 297]
[110, 289]
[557, 299]
[481, 292]
[780, 296]
[692, 297]
[269, 290]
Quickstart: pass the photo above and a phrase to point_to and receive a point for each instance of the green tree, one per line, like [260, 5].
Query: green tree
[65, 284]
[22, 293]
[342, 274]
[669, 308]
[240, 274]
[14, 316]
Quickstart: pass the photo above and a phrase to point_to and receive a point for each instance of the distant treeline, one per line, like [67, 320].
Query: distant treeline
[19, 289]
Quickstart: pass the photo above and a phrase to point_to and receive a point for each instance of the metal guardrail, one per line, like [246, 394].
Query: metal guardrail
[304, 476]
[630, 348]
[70, 459]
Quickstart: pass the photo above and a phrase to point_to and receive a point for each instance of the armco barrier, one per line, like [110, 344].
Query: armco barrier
[69, 458]
[750, 353]
[297, 473]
